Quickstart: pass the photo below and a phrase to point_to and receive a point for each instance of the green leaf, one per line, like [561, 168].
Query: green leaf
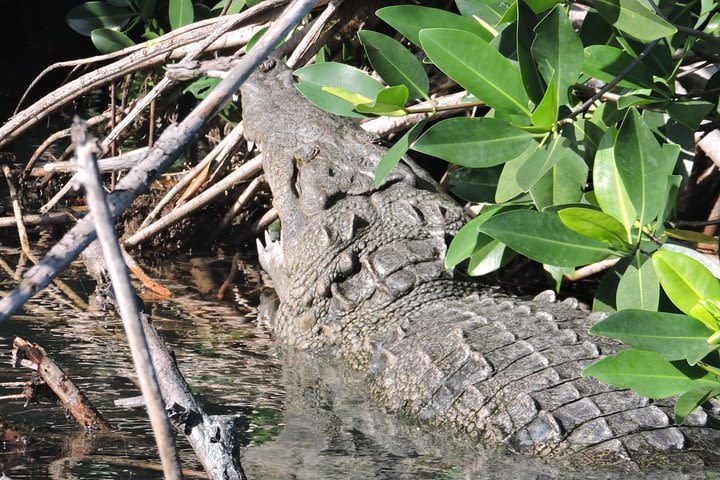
[511, 14]
[474, 184]
[563, 183]
[637, 157]
[609, 189]
[468, 238]
[690, 112]
[526, 22]
[538, 6]
[649, 374]
[394, 63]
[541, 161]
[639, 286]
[235, 7]
[478, 67]
[508, 187]
[558, 51]
[409, 20]
[491, 11]
[546, 113]
[90, 16]
[396, 152]
[597, 225]
[686, 282]
[488, 257]
[543, 237]
[255, 38]
[108, 41]
[701, 258]
[201, 87]
[690, 236]
[635, 19]
[605, 63]
[354, 98]
[674, 336]
[558, 273]
[390, 101]
[690, 400]
[635, 98]
[181, 13]
[605, 299]
[474, 142]
[146, 8]
[337, 75]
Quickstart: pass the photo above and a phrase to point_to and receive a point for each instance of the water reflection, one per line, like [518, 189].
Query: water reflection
[302, 417]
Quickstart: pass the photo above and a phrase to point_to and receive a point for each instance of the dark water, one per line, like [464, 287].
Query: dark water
[302, 418]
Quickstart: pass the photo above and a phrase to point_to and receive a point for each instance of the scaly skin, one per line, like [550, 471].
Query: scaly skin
[360, 274]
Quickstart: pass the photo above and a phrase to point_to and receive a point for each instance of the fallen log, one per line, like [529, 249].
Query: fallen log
[212, 438]
[76, 404]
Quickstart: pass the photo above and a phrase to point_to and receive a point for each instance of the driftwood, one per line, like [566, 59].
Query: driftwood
[76, 404]
[112, 164]
[212, 438]
[87, 148]
[43, 219]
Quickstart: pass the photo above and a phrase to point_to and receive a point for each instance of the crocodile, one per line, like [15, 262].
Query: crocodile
[360, 275]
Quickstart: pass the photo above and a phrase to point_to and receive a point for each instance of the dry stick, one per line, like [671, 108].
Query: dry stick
[149, 99]
[34, 357]
[592, 269]
[262, 223]
[17, 210]
[230, 277]
[87, 148]
[97, 119]
[314, 33]
[242, 200]
[244, 172]
[111, 164]
[167, 149]
[48, 219]
[225, 145]
[212, 437]
[157, 52]
[385, 125]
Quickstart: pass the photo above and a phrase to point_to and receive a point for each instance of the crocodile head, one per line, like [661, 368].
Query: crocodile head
[345, 247]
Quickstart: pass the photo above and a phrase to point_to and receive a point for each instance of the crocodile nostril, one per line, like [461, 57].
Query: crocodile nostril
[267, 65]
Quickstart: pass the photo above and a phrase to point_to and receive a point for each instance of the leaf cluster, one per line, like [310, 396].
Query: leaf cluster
[108, 23]
[561, 180]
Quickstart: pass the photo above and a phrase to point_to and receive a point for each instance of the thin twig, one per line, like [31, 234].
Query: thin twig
[242, 200]
[17, 210]
[441, 108]
[592, 269]
[244, 172]
[636, 61]
[314, 33]
[226, 144]
[692, 223]
[175, 39]
[86, 149]
[159, 88]
[683, 29]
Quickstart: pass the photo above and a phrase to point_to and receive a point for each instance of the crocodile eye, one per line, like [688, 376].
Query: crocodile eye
[267, 65]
